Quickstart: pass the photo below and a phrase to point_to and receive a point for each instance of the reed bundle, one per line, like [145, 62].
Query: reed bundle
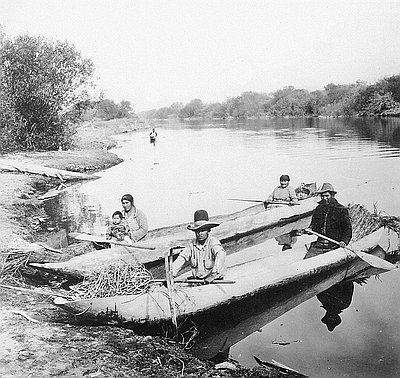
[12, 261]
[113, 280]
[364, 222]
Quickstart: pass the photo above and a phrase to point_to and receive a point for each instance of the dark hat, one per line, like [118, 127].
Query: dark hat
[284, 178]
[331, 320]
[201, 221]
[127, 197]
[326, 187]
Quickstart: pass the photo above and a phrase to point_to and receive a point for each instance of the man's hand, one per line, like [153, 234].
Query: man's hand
[210, 279]
[308, 231]
[342, 244]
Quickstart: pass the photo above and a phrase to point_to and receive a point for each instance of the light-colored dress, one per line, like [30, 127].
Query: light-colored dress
[287, 194]
[137, 223]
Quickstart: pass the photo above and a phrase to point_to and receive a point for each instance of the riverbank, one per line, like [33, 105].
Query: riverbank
[40, 340]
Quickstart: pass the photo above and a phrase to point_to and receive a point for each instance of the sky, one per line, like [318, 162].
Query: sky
[156, 52]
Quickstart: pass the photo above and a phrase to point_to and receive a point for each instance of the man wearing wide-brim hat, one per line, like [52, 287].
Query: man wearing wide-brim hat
[205, 254]
[331, 219]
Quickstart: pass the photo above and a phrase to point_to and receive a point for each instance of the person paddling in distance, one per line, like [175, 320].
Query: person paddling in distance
[205, 254]
[283, 193]
[331, 219]
[135, 218]
[153, 134]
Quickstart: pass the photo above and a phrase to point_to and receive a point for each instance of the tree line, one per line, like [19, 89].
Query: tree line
[46, 87]
[335, 100]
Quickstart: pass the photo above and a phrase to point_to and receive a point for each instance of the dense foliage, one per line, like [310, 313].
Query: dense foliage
[44, 86]
[335, 100]
[107, 109]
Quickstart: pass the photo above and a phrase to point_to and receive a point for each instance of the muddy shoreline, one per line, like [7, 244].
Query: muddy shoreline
[39, 339]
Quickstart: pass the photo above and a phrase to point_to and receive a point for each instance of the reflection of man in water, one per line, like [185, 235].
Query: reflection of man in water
[334, 301]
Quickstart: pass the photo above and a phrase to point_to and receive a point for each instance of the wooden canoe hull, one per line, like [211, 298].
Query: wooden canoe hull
[250, 269]
[235, 232]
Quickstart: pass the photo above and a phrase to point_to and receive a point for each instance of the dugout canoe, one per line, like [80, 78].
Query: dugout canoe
[254, 271]
[262, 222]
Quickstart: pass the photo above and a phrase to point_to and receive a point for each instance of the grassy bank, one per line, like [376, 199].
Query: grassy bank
[39, 339]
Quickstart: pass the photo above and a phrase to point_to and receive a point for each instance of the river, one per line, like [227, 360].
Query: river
[197, 165]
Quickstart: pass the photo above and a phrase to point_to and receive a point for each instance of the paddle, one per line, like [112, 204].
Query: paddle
[101, 239]
[196, 281]
[265, 202]
[370, 259]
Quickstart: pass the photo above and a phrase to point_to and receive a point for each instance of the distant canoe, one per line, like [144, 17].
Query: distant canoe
[250, 225]
[253, 272]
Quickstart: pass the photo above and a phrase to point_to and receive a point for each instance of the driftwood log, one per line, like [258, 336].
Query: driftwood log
[63, 175]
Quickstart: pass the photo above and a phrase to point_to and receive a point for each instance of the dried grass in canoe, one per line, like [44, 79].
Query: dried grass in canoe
[113, 280]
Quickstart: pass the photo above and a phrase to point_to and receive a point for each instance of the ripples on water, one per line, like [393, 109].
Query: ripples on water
[199, 165]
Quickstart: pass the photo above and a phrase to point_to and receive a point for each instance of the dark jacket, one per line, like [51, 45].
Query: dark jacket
[333, 221]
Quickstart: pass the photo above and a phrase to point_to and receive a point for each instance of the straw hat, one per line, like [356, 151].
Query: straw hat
[201, 221]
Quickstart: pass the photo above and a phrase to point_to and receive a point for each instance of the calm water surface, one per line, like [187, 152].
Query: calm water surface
[201, 165]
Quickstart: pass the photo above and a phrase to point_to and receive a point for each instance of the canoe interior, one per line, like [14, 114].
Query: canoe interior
[239, 230]
[255, 270]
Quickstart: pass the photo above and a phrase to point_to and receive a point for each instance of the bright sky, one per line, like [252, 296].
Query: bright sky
[156, 52]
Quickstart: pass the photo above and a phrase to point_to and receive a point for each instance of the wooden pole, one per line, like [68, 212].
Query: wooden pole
[171, 293]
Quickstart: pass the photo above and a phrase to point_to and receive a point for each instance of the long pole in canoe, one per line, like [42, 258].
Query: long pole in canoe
[171, 293]
[372, 260]
[265, 202]
[101, 239]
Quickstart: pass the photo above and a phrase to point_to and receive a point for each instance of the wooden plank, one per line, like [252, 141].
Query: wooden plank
[102, 239]
[63, 175]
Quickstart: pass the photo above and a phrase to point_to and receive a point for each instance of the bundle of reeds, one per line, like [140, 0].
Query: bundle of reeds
[364, 222]
[12, 261]
[113, 280]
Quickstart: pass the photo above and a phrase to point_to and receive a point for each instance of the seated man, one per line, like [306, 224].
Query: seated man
[205, 254]
[331, 219]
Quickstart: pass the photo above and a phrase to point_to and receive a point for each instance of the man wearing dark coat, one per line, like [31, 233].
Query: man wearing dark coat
[331, 219]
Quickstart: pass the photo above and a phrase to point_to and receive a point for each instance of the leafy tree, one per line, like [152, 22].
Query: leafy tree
[108, 109]
[192, 109]
[175, 108]
[162, 113]
[382, 104]
[391, 84]
[42, 81]
[215, 110]
[289, 102]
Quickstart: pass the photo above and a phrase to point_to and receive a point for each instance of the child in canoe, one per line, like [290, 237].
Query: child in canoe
[118, 228]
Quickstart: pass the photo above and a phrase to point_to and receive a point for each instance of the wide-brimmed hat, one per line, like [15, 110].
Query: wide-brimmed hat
[326, 187]
[201, 221]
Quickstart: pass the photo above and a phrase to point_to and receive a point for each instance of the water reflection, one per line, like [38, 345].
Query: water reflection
[218, 330]
[71, 211]
[334, 300]
[200, 164]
